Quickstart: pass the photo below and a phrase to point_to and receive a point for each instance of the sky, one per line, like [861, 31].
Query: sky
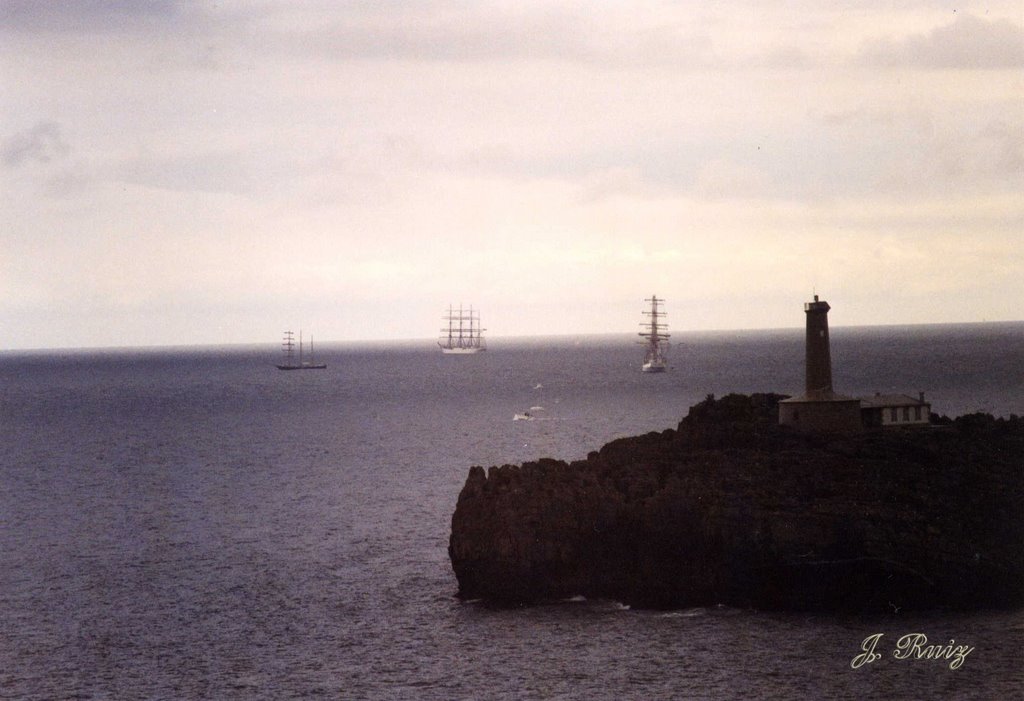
[176, 173]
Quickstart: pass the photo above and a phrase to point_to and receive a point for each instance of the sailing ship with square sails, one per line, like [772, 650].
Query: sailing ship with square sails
[462, 335]
[655, 337]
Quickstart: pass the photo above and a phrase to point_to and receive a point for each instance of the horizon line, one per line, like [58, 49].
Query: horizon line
[432, 339]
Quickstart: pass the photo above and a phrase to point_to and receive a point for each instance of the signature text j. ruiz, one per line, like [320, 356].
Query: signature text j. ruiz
[912, 646]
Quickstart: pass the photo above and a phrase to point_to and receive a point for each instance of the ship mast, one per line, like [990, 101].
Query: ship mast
[288, 345]
[656, 331]
[464, 331]
[305, 361]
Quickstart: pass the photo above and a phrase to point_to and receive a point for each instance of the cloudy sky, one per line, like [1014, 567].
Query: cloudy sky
[214, 172]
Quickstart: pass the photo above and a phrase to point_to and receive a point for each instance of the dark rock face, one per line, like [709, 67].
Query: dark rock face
[732, 509]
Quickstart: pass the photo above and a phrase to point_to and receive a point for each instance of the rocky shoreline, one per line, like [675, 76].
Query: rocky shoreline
[729, 508]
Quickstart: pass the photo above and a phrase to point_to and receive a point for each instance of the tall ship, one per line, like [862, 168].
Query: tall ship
[655, 337]
[302, 362]
[463, 332]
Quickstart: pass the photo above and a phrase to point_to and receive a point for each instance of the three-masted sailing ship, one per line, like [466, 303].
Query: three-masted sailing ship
[655, 337]
[288, 348]
[463, 332]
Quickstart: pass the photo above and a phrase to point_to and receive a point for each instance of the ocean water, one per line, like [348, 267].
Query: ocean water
[192, 523]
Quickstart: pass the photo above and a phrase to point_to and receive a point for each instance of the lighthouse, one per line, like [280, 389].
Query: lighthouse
[819, 408]
[818, 357]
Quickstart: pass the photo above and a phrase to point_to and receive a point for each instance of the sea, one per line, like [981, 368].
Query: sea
[192, 523]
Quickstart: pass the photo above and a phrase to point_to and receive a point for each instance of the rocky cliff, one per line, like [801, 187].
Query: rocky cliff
[729, 508]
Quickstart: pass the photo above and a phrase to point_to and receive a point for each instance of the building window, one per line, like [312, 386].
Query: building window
[917, 413]
[893, 416]
[906, 413]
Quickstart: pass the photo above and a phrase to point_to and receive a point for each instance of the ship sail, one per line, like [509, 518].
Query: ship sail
[462, 334]
[288, 346]
[655, 337]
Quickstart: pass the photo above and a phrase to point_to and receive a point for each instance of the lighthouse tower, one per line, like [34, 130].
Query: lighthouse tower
[818, 357]
[819, 408]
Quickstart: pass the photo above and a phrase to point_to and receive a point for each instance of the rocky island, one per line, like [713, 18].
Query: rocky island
[732, 508]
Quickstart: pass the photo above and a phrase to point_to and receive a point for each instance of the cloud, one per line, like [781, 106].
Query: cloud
[968, 43]
[68, 183]
[786, 57]
[919, 149]
[43, 143]
[611, 182]
[211, 172]
[87, 15]
[39, 159]
[723, 179]
[1000, 149]
[584, 149]
[457, 33]
[438, 36]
